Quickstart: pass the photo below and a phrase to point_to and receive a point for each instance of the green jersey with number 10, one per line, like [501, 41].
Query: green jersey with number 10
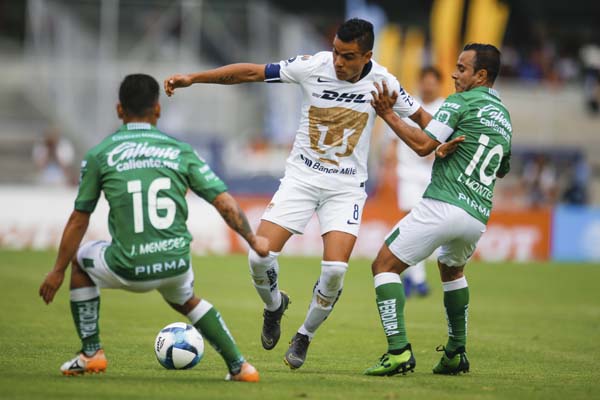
[467, 177]
[145, 175]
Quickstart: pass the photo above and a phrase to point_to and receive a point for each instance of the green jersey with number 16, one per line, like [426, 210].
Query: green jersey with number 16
[467, 177]
[145, 175]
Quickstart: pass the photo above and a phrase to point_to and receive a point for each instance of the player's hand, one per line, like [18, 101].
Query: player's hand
[450, 147]
[51, 285]
[260, 245]
[383, 101]
[176, 81]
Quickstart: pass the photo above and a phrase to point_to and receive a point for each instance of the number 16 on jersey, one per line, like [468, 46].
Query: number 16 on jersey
[154, 202]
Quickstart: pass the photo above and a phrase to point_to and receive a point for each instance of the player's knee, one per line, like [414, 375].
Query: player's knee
[186, 307]
[379, 265]
[449, 274]
[332, 276]
[387, 262]
[260, 264]
[79, 278]
[375, 267]
[452, 276]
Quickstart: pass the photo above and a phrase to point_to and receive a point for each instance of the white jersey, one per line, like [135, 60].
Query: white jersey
[414, 171]
[332, 142]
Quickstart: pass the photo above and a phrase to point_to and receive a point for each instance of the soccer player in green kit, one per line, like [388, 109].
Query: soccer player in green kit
[455, 207]
[144, 175]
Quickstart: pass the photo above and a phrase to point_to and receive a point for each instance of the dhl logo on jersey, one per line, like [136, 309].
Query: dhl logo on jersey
[341, 97]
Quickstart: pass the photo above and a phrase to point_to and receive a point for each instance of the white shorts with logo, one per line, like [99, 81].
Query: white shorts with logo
[432, 224]
[176, 289]
[296, 201]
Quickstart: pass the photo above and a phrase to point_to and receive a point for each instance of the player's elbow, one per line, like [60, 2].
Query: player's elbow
[225, 204]
[423, 152]
[78, 221]
[251, 76]
[253, 73]
[424, 149]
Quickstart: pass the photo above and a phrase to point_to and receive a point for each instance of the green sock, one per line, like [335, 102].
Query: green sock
[390, 303]
[213, 328]
[456, 301]
[85, 315]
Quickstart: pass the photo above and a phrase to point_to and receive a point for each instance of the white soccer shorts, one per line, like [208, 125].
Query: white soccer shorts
[338, 209]
[432, 224]
[176, 289]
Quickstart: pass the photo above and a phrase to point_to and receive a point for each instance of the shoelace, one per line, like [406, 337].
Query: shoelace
[271, 318]
[300, 341]
[382, 360]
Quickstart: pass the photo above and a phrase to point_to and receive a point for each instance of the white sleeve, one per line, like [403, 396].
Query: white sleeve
[292, 70]
[405, 105]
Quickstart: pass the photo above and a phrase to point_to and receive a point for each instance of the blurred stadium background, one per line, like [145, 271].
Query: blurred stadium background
[62, 61]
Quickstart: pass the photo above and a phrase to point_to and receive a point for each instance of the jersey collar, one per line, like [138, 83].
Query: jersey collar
[367, 68]
[136, 126]
[490, 91]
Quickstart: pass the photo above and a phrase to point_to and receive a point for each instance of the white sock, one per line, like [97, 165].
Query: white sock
[325, 293]
[265, 273]
[199, 311]
[456, 284]
[85, 293]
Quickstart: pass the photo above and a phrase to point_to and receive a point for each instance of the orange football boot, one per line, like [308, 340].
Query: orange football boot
[247, 374]
[83, 364]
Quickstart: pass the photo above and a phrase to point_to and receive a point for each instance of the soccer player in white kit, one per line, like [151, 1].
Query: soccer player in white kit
[326, 170]
[414, 174]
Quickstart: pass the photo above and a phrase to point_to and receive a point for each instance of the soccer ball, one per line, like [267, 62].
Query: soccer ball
[178, 346]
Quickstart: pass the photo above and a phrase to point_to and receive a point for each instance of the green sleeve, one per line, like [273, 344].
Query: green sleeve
[504, 165]
[202, 180]
[90, 185]
[446, 119]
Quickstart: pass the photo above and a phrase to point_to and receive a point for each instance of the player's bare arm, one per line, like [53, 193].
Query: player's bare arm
[421, 117]
[69, 243]
[234, 216]
[415, 138]
[227, 75]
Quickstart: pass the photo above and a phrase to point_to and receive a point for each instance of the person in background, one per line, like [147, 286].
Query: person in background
[53, 157]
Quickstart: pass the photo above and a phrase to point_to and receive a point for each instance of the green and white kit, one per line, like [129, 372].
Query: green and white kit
[467, 177]
[144, 175]
[457, 203]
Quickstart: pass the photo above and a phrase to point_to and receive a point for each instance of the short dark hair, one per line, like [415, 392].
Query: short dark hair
[487, 56]
[138, 94]
[359, 30]
[431, 70]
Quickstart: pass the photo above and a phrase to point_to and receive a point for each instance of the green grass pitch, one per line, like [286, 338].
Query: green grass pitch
[534, 333]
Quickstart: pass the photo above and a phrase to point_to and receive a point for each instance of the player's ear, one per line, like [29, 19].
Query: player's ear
[120, 111]
[157, 110]
[368, 55]
[482, 76]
